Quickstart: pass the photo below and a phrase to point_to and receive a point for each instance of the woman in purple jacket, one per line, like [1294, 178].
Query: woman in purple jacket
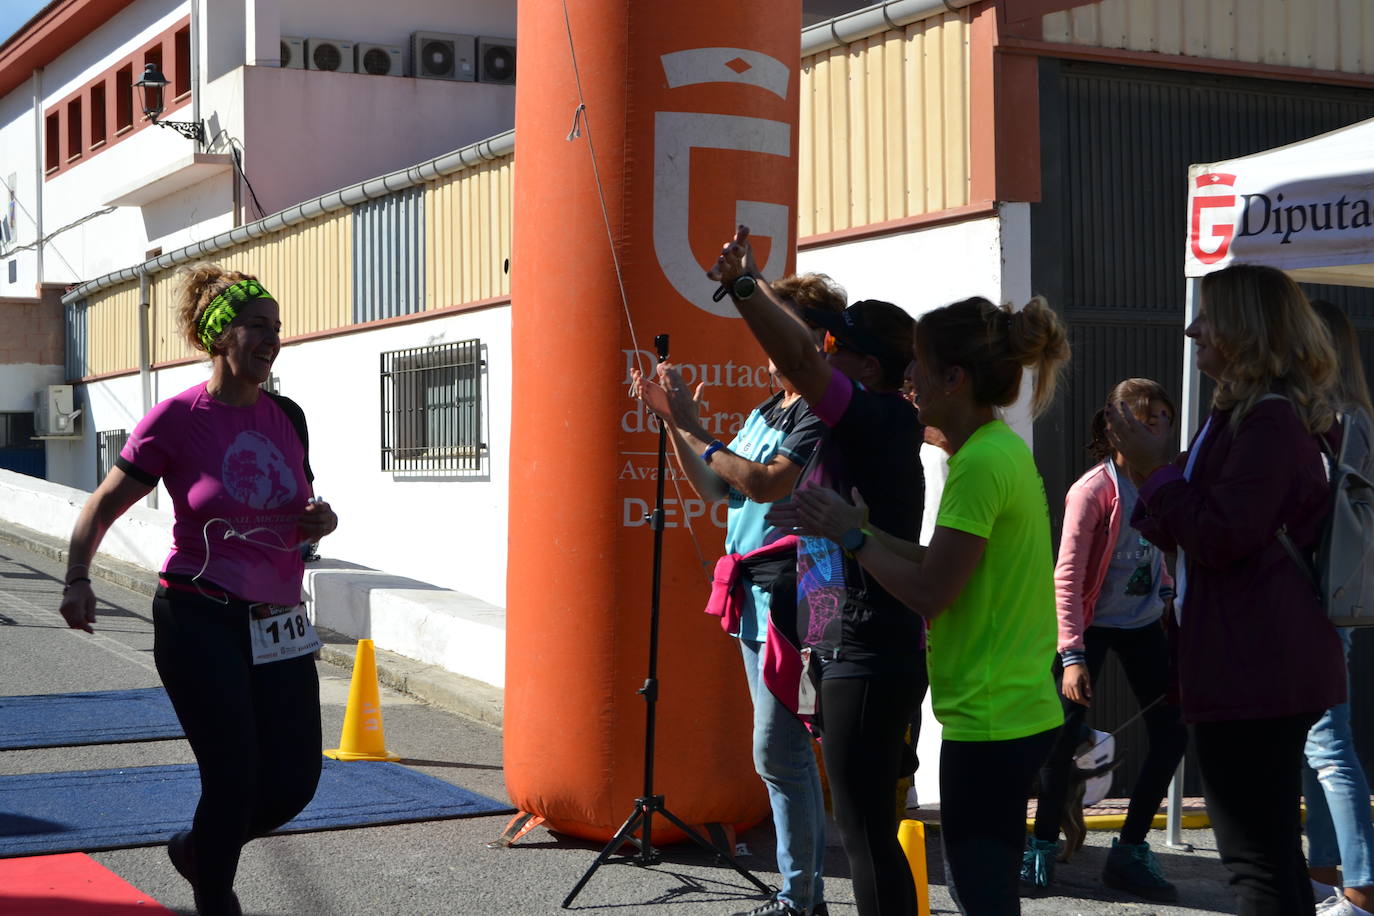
[1258, 660]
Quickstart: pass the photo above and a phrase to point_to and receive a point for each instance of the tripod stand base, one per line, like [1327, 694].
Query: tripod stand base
[645, 808]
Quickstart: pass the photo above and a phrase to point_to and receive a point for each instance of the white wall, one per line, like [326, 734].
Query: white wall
[141, 536]
[360, 21]
[19, 162]
[353, 127]
[19, 381]
[115, 240]
[448, 531]
[309, 133]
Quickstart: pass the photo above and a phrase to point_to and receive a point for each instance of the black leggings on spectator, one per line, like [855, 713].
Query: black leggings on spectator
[255, 729]
[983, 790]
[1252, 778]
[1144, 656]
[863, 730]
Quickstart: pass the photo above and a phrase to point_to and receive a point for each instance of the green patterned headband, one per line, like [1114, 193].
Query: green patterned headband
[224, 308]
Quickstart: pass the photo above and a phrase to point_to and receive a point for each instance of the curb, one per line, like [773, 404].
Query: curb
[434, 685]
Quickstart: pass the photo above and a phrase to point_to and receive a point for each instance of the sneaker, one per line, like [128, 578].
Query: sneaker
[1037, 864]
[1339, 905]
[1133, 868]
[777, 907]
[179, 851]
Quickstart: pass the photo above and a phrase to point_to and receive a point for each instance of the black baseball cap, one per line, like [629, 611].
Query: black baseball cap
[871, 327]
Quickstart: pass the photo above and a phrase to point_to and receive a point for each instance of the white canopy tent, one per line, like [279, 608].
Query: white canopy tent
[1307, 208]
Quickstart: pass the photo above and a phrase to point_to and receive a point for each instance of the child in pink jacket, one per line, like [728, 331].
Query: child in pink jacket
[1111, 591]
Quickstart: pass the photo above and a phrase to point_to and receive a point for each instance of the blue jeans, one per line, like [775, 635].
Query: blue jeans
[784, 760]
[1339, 828]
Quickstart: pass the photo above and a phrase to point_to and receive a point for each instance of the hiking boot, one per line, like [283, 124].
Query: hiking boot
[1037, 865]
[1133, 868]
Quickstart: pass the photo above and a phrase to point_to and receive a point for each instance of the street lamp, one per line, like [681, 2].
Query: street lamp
[150, 87]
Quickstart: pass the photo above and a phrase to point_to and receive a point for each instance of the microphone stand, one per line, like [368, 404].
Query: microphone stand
[649, 804]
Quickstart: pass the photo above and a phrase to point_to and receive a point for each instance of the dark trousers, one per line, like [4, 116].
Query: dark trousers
[255, 729]
[1252, 778]
[983, 790]
[1144, 656]
[864, 723]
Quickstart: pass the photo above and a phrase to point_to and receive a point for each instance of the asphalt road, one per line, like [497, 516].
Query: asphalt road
[438, 866]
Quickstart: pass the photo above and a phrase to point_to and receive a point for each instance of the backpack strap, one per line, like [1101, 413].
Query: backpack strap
[1306, 565]
[297, 417]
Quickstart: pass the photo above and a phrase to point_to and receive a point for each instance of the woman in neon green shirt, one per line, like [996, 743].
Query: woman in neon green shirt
[985, 585]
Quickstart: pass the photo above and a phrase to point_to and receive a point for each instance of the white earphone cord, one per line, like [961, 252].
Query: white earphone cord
[243, 536]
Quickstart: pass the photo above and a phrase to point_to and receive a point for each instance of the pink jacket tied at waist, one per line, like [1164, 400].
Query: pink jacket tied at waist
[782, 661]
[1092, 524]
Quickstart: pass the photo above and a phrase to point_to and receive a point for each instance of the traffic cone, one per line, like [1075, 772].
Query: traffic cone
[912, 837]
[363, 737]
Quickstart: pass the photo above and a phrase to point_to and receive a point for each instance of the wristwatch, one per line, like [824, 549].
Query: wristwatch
[744, 286]
[853, 540]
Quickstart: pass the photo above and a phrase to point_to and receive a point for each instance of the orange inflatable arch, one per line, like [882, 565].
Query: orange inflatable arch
[690, 137]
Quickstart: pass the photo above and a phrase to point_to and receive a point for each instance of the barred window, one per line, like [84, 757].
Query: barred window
[108, 446]
[432, 408]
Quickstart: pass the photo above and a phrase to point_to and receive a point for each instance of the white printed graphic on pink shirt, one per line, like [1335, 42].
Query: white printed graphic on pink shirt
[256, 473]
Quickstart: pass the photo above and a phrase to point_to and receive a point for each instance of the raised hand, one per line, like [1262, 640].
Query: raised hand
[653, 396]
[686, 407]
[736, 258]
[1143, 449]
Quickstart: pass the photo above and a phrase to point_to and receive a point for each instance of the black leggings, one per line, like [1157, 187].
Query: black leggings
[863, 730]
[1144, 656]
[983, 790]
[1252, 777]
[255, 729]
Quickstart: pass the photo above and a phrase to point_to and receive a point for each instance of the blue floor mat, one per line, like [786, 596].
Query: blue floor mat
[142, 806]
[98, 717]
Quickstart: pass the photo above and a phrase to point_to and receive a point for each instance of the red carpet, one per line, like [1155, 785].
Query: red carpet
[71, 884]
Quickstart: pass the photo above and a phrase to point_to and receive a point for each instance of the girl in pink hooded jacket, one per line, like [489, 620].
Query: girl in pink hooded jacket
[1111, 591]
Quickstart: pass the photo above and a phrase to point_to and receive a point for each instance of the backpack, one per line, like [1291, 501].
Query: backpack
[297, 417]
[1342, 569]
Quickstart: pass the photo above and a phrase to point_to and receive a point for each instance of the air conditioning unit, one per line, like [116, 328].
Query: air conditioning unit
[292, 52]
[496, 60]
[55, 413]
[377, 60]
[329, 54]
[438, 56]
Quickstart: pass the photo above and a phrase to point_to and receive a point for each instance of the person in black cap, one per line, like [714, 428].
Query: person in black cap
[867, 646]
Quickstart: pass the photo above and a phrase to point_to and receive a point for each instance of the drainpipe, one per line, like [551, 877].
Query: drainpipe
[195, 69]
[145, 369]
[38, 160]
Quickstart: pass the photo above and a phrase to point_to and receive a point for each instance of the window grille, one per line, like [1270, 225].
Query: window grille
[432, 408]
[108, 446]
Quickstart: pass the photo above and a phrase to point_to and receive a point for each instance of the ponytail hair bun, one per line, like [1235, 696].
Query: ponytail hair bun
[995, 344]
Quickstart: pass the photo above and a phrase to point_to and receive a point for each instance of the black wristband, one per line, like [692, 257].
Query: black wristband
[71, 582]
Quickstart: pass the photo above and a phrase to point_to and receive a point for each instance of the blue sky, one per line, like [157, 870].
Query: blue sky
[14, 13]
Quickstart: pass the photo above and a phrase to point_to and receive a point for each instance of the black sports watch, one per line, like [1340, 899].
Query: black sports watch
[744, 286]
[853, 540]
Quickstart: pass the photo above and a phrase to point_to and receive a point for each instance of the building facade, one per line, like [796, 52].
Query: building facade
[1002, 148]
